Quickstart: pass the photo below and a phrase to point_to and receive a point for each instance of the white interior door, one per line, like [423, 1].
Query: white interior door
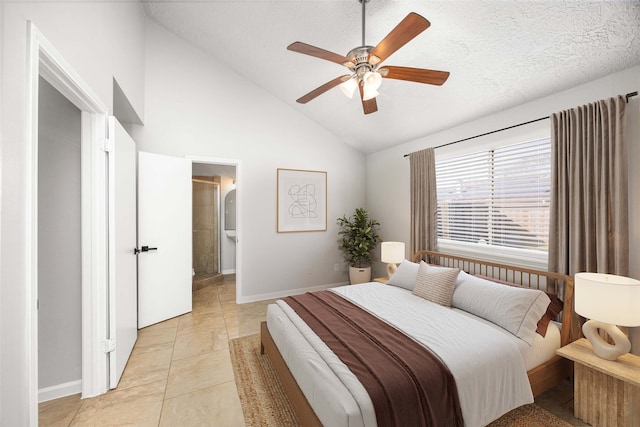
[123, 321]
[164, 228]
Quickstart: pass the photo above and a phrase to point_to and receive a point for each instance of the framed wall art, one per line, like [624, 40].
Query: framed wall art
[301, 200]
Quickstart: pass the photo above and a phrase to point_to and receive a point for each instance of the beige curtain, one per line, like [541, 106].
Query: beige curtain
[424, 228]
[588, 228]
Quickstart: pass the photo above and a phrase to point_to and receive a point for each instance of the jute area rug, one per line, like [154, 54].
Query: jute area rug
[265, 404]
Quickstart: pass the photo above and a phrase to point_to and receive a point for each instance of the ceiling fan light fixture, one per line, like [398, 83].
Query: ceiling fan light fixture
[348, 87]
[364, 61]
[368, 93]
[372, 79]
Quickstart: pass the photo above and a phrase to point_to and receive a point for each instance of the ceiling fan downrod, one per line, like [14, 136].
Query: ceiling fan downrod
[364, 2]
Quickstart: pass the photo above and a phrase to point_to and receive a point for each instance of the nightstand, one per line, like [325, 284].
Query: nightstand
[606, 393]
[382, 280]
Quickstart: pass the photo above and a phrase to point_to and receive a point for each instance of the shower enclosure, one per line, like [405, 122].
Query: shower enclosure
[206, 217]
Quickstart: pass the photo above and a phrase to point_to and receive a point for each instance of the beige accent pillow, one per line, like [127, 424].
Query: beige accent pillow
[436, 284]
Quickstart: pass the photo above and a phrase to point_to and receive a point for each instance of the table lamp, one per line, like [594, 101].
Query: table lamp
[392, 253]
[607, 300]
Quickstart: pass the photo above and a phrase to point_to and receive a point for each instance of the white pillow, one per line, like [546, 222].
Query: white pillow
[405, 275]
[517, 310]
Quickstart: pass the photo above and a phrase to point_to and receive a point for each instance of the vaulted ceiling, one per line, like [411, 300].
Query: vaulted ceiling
[500, 54]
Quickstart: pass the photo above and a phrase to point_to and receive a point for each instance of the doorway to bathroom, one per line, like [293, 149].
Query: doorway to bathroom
[214, 234]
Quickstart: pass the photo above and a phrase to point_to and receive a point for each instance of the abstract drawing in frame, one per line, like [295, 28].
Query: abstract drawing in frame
[302, 200]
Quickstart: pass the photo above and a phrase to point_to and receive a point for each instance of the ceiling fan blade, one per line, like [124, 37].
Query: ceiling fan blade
[307, 49]
[419, 75]
[322, 89]
[412, 25]
[369, 106]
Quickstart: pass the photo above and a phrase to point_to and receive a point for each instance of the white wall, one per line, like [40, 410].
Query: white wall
[227, 244]
[388, 170]
[195, 106]
[100, 40]
[59, 243]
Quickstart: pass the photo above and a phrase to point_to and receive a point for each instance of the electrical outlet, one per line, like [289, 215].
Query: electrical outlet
[336, 267]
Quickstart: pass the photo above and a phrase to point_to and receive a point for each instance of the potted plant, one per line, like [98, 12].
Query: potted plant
[359, 238]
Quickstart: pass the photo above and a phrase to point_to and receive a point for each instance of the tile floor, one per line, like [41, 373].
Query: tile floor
[180, 373]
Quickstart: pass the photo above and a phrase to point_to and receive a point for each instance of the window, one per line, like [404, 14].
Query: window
[498, 197]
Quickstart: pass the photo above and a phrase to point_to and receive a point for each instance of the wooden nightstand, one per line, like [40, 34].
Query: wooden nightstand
[606, 393]
[382, 280]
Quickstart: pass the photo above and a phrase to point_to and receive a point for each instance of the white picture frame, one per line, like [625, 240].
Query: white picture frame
[301, 200]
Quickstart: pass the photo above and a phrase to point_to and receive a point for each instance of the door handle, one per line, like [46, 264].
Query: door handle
[136, 251]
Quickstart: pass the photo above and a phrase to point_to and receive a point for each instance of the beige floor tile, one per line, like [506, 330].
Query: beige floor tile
[58, 412]
[195, 322]
[170, 323]
[207, 306]
[199, 372]
[200, 342]
[146, 367]
[152, 348]
[240, 326]
[153, 337]
[136, 406]
[214, 406]
[227, 292]
[252, 309]
[207, 293]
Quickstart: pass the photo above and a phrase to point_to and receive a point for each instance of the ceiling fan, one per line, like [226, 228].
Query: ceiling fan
[364, 63]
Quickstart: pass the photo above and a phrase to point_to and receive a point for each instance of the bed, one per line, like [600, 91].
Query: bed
[322, 391]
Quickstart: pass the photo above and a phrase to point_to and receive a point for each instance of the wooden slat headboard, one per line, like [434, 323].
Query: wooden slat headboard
[556, 283]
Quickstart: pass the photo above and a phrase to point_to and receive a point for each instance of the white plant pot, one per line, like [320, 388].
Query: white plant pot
[359, 275]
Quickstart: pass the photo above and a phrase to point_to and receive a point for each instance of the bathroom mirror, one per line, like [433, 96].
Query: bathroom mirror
[230, 210]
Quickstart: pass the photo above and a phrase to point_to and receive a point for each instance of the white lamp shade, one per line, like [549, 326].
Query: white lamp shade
[348, 87]
[369, 93]
[372, 79]
[392, 252]
[608, 298]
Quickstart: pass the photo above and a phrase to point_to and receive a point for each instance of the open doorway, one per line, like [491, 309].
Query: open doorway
[214, 222]
[43, 60]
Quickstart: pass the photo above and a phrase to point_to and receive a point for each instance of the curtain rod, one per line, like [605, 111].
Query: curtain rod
[627, 96]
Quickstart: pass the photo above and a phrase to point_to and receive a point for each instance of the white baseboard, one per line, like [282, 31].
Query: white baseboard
[281, 294]
[230, 271]
[60, 390]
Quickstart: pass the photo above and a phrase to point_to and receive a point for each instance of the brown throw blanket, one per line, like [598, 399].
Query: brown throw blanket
[408, 384]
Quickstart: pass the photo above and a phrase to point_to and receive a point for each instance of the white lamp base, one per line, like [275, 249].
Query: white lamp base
[391, 268]
[601, 348]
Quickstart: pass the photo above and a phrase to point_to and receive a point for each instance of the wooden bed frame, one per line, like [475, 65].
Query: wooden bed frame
[541, 378]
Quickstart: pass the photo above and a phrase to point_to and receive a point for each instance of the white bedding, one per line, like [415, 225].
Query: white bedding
[488, 363]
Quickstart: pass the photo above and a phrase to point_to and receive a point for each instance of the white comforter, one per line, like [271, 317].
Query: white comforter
[486, 363]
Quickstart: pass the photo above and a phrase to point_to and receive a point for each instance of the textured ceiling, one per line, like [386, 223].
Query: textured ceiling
[500, 54]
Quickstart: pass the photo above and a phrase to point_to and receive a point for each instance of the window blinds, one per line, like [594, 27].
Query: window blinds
[498, 197]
